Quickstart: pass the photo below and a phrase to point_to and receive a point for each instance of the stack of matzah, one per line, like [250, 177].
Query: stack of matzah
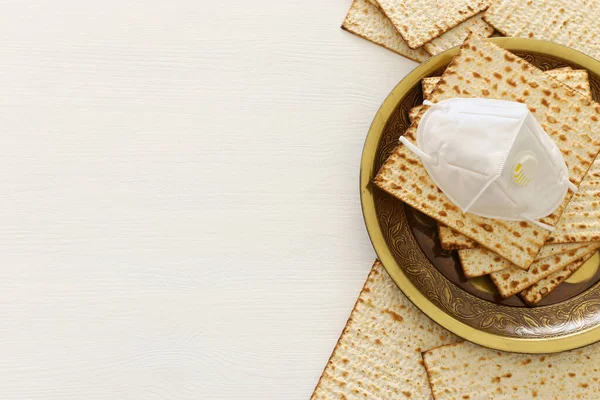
[418, 29]
[378, 355]
[424, 33]
[480, 262]
[519, 257]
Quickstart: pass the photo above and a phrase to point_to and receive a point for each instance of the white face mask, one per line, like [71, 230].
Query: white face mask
[492, 158]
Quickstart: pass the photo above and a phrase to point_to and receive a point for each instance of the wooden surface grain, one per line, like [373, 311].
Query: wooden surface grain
[179, 207]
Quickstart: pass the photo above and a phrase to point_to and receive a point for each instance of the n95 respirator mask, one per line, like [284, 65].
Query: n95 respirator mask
[492, 158]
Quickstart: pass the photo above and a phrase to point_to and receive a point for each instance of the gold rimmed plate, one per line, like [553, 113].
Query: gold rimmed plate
[406, 240]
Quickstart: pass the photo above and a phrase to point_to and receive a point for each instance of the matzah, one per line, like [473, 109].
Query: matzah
[581, 220]
[482, 69]
[536, 292]
[419, 21]
[455, 36]
[414, 113]
[479, 262]
[452, 240]
[573, 23]
[378, 355]
[468, 371]
[577, 79]
[428, 84]
[513, 280]
[367, 21]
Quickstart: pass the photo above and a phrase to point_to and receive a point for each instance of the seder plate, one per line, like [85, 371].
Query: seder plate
[406, 240]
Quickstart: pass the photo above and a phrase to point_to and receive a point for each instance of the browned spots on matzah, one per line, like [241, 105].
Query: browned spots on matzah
[397, 317]
[487, 227]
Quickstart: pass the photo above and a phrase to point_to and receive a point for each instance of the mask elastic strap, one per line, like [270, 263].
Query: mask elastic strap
[571, 186]
[416, 150]
[540, 224]
[427, 103]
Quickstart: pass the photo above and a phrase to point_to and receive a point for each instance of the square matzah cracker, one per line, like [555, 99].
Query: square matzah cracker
[536, 292]
[367, 21]
[573, 23]
[378, 355]
[572, 227]
[482, 69]
[581, 220]
[468, 371]
[512, 280]
[479, 262]
[455, 36]
[451, 240]
[419, 21]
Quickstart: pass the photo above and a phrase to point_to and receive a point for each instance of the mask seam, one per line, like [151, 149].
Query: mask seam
[422, 122]
[512, 143]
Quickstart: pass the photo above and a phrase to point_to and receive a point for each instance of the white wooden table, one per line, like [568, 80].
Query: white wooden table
[180, 216]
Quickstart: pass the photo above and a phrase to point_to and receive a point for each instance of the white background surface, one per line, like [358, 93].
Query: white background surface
[179, 213]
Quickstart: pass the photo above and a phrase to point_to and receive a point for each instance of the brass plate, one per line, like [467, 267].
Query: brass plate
[406, 243]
